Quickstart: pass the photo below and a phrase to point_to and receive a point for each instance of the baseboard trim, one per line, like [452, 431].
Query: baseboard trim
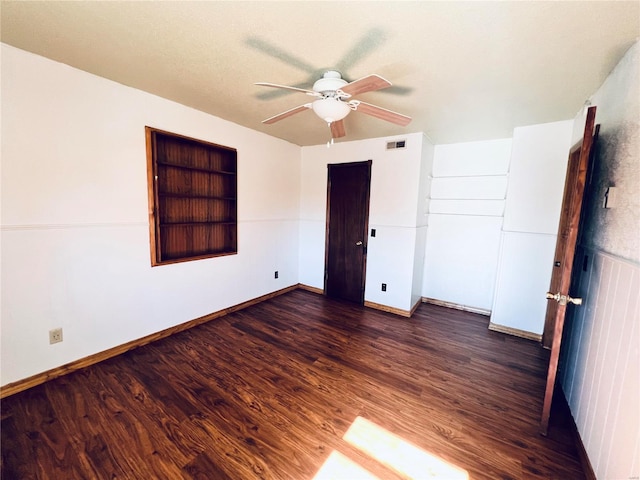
[441, 303]
[388, 309]
[34, 380]
[587, 468]
[515, 332]
[308, 288]
[415, 307]
[376, 306]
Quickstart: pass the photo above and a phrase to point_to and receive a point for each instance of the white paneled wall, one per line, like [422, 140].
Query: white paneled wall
[466, 205]
[600, 370]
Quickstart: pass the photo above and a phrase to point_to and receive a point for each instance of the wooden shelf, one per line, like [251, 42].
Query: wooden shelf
[192, 198]
[197, 169]
[188, 195]
[197, 224]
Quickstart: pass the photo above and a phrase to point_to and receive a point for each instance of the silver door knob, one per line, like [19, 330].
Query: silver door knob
[358, 243]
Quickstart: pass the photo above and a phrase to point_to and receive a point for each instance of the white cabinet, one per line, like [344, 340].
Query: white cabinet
[532, 211]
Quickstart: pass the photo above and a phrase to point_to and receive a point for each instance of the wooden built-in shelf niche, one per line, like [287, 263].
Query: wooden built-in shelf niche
[192, 198]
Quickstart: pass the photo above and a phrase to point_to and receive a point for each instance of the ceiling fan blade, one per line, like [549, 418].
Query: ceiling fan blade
[288, 113]
[399, 90]
[285, 87]
[280, 54]
[366, 84]
[370, 41]
[337, 129]
[382, 113]
[272, 93]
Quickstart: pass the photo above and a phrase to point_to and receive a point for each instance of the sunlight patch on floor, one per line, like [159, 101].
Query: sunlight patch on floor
[398, 454]
[404, 458]
[339, 467]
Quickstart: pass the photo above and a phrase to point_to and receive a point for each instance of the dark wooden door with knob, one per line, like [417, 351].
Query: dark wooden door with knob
[563, 260]
[348, 189]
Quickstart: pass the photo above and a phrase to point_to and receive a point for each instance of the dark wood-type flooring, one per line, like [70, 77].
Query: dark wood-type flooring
[269, 392]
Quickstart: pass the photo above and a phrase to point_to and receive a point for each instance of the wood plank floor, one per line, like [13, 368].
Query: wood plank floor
[270, 392]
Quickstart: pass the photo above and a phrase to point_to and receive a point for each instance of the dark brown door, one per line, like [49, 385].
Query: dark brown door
[347, 225]
[558, 294]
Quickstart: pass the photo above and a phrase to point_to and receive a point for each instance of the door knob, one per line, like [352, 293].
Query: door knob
[358, 243]
[563, 299]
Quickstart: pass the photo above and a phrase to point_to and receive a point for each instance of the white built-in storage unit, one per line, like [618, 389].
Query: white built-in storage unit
[532, 212]
[466, 205]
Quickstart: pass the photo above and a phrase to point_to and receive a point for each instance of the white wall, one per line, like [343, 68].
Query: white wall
[74, 232]
[395, 184]
[422, 219]
[466, 206]
[600, 357]
[536, 177]
[532, 212]
[524, 271]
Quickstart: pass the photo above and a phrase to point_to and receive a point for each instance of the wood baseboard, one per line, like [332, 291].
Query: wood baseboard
[24, 384]
[319, 291]
[465, 308]
[515, 332]
[415, 307]
[386, 308]
[377, 306]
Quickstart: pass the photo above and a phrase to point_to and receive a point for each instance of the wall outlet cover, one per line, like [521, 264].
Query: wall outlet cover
[55, 335]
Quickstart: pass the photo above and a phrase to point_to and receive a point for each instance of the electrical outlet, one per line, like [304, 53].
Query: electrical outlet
[275, 275]
[384, 287]
[55, 335]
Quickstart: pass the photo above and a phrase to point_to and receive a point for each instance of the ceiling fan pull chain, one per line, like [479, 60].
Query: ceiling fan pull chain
[330, 142]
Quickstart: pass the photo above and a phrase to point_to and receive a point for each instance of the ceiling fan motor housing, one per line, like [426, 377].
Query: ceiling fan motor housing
[329, 83]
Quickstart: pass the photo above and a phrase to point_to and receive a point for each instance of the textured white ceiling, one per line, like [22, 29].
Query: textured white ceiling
[463, 70]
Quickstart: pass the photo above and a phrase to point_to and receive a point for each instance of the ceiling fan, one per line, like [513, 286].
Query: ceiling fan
[334, 101]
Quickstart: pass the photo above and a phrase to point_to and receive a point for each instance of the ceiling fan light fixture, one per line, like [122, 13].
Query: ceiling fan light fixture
[330, 109]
